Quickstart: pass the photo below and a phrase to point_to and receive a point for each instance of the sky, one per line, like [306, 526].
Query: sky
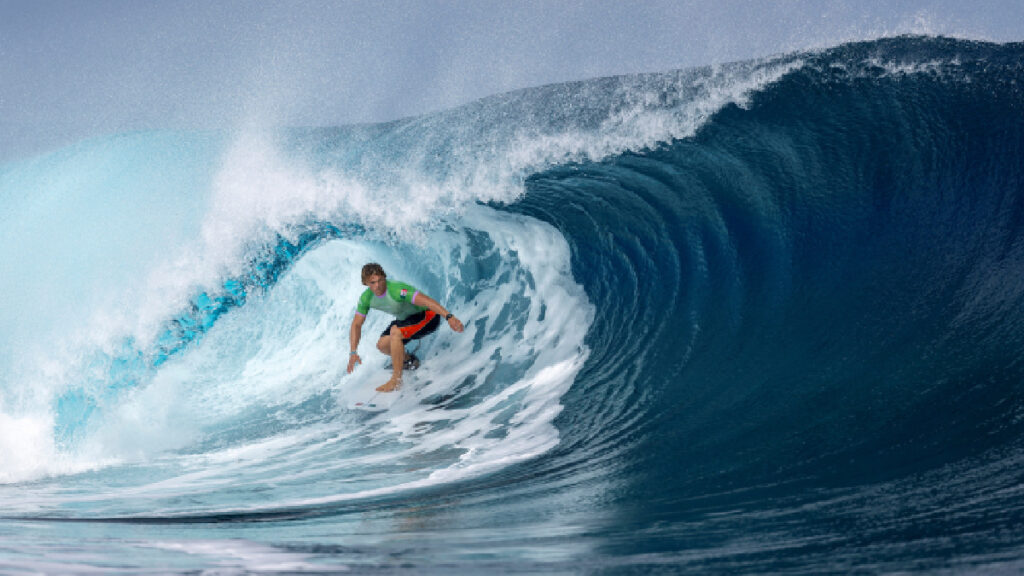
[70, 70]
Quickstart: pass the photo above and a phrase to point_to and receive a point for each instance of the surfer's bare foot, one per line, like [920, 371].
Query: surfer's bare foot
[391, 386]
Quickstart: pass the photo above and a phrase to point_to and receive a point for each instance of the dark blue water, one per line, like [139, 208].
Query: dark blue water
[816, 302]
[763, 319]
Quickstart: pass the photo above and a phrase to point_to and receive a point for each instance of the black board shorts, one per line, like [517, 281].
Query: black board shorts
[416, 326]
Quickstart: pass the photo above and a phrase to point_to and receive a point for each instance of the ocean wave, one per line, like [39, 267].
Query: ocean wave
[727, 310]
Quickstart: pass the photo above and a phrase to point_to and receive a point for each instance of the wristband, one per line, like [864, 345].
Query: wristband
[448, 316]
[352, 353]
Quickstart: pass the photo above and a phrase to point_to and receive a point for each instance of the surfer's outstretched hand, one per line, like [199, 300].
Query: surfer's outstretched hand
[455, 324]
[353, 359]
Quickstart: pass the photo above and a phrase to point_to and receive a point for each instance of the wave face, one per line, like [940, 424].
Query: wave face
[765, 317]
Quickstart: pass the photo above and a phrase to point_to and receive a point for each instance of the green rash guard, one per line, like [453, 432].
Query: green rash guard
[397, 301]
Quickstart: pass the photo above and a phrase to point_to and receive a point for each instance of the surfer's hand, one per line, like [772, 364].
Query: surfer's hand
[455, 324]
[353, 359]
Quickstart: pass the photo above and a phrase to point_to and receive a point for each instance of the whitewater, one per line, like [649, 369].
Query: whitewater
[763, 317]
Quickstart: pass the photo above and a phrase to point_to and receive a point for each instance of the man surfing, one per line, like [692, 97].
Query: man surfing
[417, 315]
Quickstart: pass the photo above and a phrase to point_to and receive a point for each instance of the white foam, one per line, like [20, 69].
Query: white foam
[28, 451]
[26, 445]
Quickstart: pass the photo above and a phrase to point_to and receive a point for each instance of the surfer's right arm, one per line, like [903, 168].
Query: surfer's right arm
[354, 333]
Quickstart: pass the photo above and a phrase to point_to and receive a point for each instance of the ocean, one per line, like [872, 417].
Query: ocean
[762, 317]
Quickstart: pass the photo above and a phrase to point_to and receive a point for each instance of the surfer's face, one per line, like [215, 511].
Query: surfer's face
[378, 284]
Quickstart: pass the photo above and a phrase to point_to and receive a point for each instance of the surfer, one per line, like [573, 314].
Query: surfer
[417, 315]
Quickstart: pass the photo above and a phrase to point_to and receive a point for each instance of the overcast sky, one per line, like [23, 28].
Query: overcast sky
[70, 70]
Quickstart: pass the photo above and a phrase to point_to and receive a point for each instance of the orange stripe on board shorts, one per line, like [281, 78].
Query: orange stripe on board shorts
[416, 326]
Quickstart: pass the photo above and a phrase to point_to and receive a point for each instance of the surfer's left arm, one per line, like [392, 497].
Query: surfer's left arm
[421, 299]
